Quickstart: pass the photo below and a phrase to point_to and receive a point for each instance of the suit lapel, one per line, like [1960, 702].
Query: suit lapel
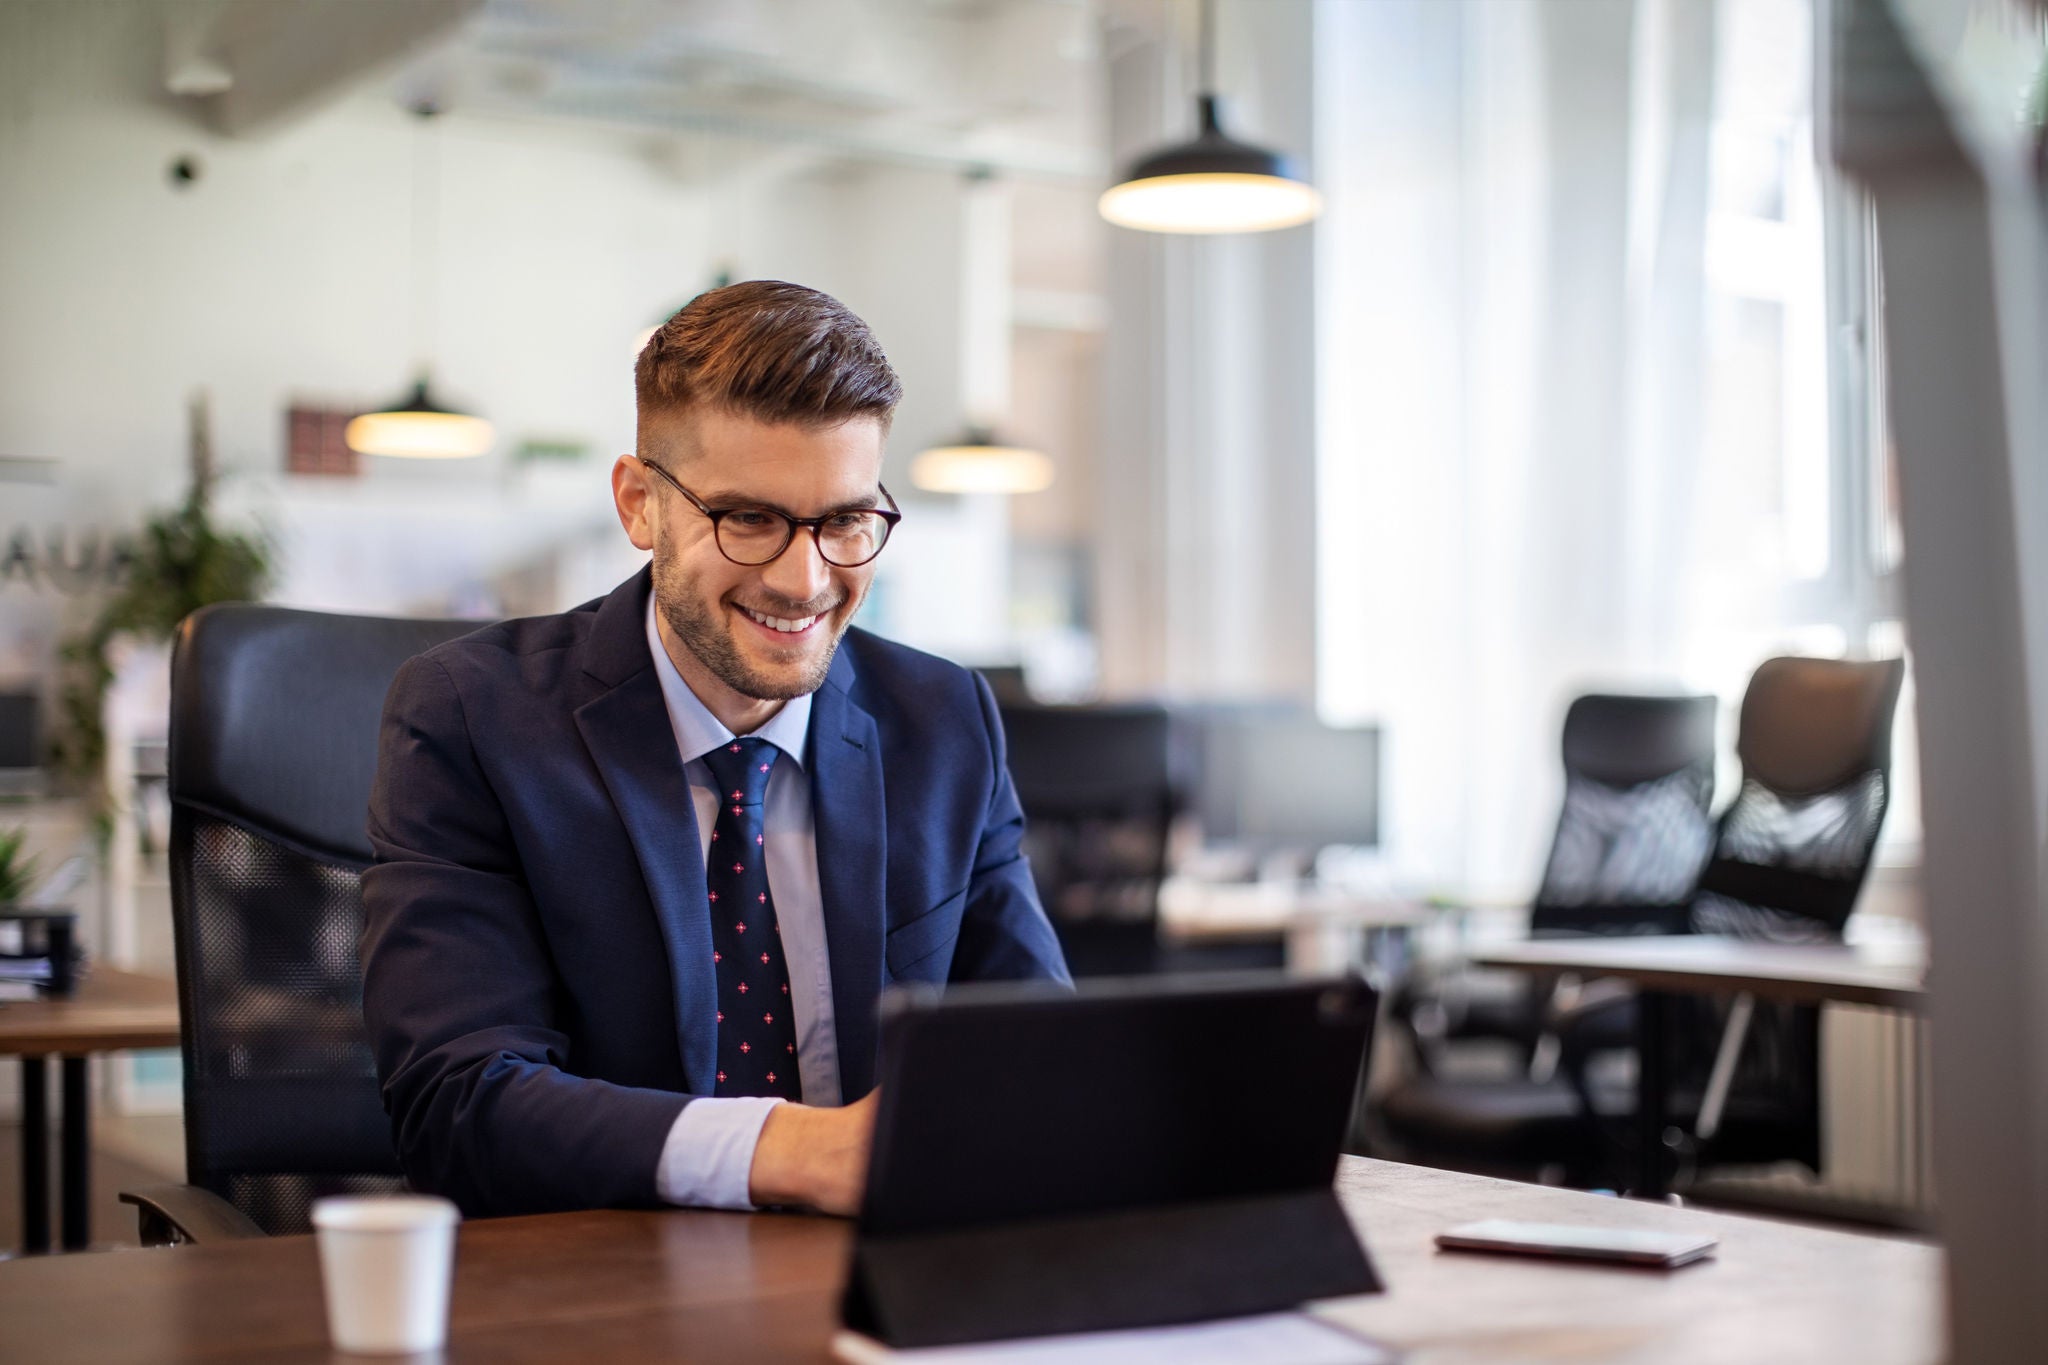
[846, 803]
[627, 731]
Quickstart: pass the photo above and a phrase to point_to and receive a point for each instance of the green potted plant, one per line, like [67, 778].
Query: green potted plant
[182, 562]
[27, 936]
[17, 869]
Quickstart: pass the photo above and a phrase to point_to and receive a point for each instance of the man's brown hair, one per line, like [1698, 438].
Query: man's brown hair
[770, 350]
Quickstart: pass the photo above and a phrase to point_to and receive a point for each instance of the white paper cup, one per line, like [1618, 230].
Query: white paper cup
[385, 1263]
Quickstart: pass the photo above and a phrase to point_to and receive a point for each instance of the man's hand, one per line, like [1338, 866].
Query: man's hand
[813, 1156]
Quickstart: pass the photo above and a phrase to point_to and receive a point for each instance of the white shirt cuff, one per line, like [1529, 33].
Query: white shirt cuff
[709, 1154]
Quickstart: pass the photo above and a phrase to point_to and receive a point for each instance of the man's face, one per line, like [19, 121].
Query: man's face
[734, 619]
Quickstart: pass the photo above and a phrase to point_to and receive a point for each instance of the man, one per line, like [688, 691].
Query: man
[644, 868]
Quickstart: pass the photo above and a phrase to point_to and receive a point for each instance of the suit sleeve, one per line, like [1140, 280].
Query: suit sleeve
[461, 996]
[1004, 932]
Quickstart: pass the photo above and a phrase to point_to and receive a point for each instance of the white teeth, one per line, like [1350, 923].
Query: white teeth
[782, 624]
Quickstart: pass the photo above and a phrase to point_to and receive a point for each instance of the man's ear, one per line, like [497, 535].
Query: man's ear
[633, 497]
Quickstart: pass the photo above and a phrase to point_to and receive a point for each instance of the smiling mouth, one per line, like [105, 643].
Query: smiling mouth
[782, 625]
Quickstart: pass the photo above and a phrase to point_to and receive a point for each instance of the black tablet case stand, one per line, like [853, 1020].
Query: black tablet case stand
[1147, 1267]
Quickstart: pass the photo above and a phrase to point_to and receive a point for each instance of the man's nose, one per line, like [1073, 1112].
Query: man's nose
[800, 572]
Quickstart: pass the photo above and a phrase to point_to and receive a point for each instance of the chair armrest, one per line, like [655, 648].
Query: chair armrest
[1594, 1001]
[1471, 1002]
[1601, 1018]
[168, 1215]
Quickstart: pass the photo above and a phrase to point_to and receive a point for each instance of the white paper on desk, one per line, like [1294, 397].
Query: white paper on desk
[1271, 1339]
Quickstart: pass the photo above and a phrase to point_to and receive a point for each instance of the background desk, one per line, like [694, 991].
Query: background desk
[685, 1286]
[1325, 929]
[110, 1011]
[1891, 975]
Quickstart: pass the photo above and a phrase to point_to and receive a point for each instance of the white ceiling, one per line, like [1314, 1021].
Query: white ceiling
[1017, 86]
[1014, 84]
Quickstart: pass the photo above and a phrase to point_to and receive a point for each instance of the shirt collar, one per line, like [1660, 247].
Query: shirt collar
[698, 731]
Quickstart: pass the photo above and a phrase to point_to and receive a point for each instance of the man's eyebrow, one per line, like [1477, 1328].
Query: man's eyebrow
[726, 498]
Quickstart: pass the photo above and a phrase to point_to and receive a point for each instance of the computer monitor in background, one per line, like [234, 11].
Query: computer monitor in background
[1280, 781]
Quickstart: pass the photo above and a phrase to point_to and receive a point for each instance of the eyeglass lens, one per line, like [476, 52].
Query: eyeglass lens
[756, 535]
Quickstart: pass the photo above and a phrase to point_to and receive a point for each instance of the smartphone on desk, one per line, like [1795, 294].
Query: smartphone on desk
[1630, 1246]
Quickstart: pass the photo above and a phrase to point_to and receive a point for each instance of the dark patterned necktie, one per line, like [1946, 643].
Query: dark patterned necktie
[756, 1031]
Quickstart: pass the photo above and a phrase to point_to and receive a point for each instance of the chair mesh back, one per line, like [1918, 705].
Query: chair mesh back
[1618, 848]
[1792, 851]
[1790, 857]
[1788, 868]
[283, 1204]
[280, 1086]
[1635, 825]
[281, 1096]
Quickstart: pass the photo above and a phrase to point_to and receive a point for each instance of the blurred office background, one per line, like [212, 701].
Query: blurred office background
[1573, 387]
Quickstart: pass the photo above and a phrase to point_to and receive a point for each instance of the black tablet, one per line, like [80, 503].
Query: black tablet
[1174, 1137]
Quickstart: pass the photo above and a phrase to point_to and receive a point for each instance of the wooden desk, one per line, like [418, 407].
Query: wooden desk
[1324, 928]
[685, 1286]
[1891, 975]
[110, 1010]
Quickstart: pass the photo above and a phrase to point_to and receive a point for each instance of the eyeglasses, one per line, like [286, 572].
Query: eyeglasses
[754, 536]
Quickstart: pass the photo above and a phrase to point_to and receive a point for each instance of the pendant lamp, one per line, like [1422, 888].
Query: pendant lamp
[978, 462]
[419, 426]
[981, 464]
[1214, 183]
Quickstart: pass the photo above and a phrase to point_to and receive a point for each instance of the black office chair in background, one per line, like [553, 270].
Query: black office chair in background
[1632, 832]
[1098, 788]
[1793, 851]
[1788, 860]
[1791, 856]
[1636, 820]
[273, 747]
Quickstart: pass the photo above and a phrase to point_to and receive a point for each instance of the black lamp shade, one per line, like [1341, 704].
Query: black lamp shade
[1213, 183]
[1213, 152]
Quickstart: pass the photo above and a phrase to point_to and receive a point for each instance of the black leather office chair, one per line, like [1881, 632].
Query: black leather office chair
[1793, 851]
[1636, 820]
[1634, 828]
[1099, 793]
[273, 747]
[1790, 858]
[1633, 831]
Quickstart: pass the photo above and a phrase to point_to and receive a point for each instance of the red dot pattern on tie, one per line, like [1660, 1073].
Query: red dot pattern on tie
[742, 769]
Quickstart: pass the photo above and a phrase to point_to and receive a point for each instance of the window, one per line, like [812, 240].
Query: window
[1801, 504]
[1600, 399]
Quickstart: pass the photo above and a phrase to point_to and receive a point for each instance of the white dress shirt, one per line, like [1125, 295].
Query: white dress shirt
[710, 1150]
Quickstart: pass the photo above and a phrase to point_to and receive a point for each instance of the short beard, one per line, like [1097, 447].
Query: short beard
[705, 634]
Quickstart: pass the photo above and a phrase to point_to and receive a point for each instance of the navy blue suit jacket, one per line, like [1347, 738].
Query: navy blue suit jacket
[537, 974]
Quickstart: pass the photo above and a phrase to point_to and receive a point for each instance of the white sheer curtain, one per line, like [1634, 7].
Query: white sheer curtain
[1511, 405]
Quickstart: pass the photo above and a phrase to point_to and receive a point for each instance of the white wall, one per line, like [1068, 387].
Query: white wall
[286, 270]
[285, 273]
